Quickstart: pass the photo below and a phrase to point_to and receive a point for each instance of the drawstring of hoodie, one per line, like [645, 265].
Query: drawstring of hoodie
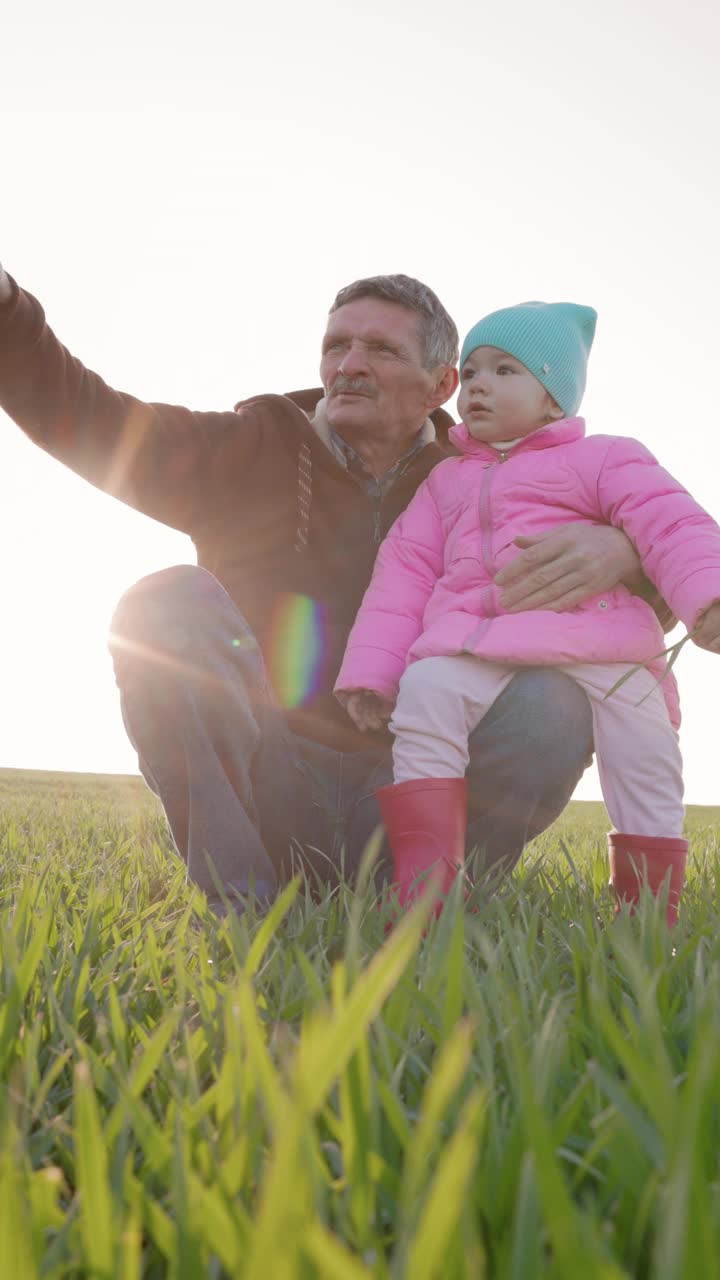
[346, 456]
[304, 496]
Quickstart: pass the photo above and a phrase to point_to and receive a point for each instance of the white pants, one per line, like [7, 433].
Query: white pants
[441, 700]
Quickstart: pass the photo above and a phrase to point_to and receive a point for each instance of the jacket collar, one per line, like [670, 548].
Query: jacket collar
[344, 452]
[562, 432]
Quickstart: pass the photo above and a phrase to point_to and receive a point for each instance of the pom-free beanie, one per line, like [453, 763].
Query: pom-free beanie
[552, 340]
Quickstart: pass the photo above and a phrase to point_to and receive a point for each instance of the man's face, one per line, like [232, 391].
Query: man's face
[372, 371]
[500, 399]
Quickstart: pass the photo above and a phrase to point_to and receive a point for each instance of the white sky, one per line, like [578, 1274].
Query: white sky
[186, 186]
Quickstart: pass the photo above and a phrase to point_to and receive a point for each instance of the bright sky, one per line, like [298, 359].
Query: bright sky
[186, 186]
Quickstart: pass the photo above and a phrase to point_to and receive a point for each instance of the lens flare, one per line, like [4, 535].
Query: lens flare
[297, 648]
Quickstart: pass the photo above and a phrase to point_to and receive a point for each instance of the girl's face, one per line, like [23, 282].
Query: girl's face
[500, 399]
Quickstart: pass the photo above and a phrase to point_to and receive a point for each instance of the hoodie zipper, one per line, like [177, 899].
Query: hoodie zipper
[378, 501]
[377, 531]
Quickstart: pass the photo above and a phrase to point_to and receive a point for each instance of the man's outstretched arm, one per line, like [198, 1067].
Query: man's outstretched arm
[162, 459]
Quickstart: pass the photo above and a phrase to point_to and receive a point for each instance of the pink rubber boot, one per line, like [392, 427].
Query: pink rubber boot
[639, 860]
[426, 822]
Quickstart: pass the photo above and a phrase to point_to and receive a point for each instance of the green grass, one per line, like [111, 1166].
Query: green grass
[526, 1091]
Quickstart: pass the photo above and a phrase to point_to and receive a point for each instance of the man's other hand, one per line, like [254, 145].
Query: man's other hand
[707, 632]
[559, 569]
[367, 710]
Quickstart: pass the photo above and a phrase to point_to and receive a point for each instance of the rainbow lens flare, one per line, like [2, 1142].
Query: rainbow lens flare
[297, 648]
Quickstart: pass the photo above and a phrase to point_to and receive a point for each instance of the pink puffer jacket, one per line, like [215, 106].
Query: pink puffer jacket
[433, 592]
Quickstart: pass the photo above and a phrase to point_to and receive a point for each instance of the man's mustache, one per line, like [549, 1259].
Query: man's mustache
[352, 386]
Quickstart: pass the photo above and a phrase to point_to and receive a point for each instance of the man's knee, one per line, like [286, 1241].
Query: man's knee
[526, 758]
[171, 610]
[542, 716]
[181, 620]
[170, 592]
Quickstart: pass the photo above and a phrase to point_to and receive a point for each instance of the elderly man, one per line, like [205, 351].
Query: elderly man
[226, 668]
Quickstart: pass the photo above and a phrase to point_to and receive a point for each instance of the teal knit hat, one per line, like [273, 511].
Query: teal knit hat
[552, 340]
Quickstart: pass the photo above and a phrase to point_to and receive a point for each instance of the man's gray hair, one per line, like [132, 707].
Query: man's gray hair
[438, 333]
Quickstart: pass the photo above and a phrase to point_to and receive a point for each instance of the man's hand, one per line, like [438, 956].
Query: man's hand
[5, 285]
[707, 633]
[559, 569]
[366, 709]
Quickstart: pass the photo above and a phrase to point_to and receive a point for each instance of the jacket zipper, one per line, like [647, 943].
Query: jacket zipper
[484, 518]
[485, 543]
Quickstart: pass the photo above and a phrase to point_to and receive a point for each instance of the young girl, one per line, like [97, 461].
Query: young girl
[433, 647]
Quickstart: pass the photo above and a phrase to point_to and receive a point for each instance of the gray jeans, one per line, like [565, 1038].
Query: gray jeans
[241, 791]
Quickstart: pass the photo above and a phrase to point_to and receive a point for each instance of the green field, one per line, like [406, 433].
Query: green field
[529, 1090]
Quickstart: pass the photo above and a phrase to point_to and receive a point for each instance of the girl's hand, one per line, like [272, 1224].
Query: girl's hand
[367, 710]
[707, 631]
